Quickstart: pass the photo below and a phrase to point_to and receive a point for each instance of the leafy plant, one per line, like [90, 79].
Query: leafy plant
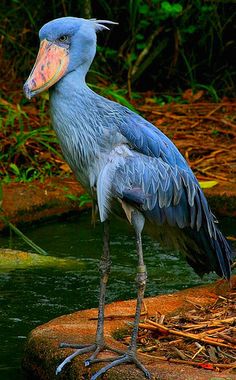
[82, 200]
[29, 149]
[170, 44]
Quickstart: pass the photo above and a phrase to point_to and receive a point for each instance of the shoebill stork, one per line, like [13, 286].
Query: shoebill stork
[129, 167]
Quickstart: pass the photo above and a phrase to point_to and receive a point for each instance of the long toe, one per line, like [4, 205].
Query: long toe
[81, 350]
[123, 358]
[126, 358]
[93, 358]
[73, 345]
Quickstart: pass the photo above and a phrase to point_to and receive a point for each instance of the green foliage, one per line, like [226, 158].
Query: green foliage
[175, 44]
[157, 44]
[27, 175]
[22, 144]
[119, 334]
[82, 200]
[167, 99]
[210, 90]
[170, 10]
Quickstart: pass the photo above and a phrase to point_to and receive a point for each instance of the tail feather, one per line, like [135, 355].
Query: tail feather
[208, 253]
[223, 253]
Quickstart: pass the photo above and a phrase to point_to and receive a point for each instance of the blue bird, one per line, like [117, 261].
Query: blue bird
[130, 168]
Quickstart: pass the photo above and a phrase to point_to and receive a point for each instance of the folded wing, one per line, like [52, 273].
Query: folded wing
[163, 187]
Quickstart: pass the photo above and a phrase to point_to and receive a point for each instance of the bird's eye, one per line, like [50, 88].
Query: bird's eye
[63, 38]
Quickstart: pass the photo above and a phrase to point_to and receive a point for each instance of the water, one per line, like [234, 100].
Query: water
[30, 297]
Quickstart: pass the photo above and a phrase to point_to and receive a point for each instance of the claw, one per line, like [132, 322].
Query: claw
[87, 363]
[82, 350]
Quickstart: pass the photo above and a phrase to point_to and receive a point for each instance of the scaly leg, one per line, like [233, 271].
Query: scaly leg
[129, 356]
[99, 344]
[105, 266]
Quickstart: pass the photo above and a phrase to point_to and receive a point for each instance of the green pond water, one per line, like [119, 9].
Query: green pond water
[30, 297]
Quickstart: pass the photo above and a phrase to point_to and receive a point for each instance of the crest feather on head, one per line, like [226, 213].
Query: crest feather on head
[99, 24]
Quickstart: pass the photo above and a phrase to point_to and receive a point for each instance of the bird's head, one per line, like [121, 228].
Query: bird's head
[66, 44]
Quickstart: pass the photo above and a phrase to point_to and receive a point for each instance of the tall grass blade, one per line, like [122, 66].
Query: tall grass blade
[27, 240]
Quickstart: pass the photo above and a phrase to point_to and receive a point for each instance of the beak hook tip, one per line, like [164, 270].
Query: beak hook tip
[27, 91]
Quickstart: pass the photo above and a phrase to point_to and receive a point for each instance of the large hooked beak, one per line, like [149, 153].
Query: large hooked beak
[50, 66]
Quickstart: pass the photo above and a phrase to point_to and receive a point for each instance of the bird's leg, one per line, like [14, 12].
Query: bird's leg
[129, 356]
[104, 268]
[99, 344]
[141, 280]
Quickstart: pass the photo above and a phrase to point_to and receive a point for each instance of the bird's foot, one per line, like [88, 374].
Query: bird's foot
[125, 357]
[82, 349]
[128, 357]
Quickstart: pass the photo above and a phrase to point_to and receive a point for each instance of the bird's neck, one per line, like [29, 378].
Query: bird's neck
[77, 123]
[75, 80]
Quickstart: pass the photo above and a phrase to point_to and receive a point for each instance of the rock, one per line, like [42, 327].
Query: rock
[42, 353]
[12, 259]
[35, 201]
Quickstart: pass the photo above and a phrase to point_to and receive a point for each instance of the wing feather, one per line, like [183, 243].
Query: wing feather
[150, 173]
[167, 195]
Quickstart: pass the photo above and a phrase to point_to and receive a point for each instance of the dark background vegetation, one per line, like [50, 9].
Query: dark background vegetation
[158, 45]
[161, 48]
